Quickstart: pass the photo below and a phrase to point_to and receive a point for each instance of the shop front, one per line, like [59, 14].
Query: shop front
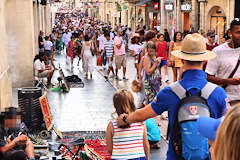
[217, 21]
[186, 8]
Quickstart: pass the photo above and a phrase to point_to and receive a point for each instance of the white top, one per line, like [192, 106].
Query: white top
[38, 65]
[111, 35]
[101, 40]
[136, 48]
[66, 38]
[48, 45]
[223, 65]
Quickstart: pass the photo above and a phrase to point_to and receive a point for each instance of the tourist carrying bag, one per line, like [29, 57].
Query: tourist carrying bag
[187, 141]
[233, 72]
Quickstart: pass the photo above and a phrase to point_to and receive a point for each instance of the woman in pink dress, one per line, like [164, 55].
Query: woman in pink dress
[72, 50]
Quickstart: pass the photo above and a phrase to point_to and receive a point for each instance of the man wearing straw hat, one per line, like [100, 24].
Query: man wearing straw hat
[193, 53]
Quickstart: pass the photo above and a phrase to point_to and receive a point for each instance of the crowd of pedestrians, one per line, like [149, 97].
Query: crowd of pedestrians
[195, 59]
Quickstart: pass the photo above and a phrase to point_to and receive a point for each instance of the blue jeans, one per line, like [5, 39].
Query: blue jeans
[104, 58]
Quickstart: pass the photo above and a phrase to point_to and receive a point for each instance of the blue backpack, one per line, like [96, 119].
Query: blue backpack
[187, 141]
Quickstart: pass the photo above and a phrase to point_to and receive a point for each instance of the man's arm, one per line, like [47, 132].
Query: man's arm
[8, 147]
[20, 140]
[221, 81]
[139, 115]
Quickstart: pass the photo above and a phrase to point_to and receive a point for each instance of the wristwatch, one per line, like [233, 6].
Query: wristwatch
[125, 119]
[16, 143]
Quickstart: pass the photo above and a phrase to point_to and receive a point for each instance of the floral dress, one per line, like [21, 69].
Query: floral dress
[151, 84]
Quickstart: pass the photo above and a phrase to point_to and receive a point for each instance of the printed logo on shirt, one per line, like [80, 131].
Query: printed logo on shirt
[193, 109]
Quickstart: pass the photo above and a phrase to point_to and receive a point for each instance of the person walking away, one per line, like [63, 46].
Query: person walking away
[40, 40]
[176, 63]
[108, 49]
[151, 77]
[66, 38]
[126, 143]
[224, 70]
[60, 42]
[79, 46]
[71, 51]
[193, 80]
[129, 36]
[87, 56]
[162, 49]
[101, 40]
[120, 54]
[135, 49]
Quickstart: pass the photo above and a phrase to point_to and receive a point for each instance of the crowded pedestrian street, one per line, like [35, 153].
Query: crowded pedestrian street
[119, 80]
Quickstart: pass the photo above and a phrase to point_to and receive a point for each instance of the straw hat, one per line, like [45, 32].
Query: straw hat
[194, 49]
[136, 35]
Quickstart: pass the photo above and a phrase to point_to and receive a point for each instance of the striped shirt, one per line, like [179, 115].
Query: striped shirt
[109, 48]
[128, 142]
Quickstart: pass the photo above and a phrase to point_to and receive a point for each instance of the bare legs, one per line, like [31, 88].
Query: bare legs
[176, 75]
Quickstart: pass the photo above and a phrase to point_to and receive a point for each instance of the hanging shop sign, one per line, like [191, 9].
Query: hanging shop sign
[156, 6]
[186, 7]
[143, 5]
[125, 7]
[168, 6]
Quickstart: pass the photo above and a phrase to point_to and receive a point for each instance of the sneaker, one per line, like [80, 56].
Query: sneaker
[91, 75]
[124, 78]
[117, 78]
[167, 81]
[106, 77]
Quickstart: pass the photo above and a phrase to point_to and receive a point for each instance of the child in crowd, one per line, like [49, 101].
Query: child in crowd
[126, 143]
[135, 48]
[108, 48]
[162, 49]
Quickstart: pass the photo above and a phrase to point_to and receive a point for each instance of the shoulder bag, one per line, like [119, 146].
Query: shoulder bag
[233, 72]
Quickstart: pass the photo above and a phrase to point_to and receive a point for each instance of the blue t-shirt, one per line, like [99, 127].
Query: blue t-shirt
[166, 100]
[153, 131]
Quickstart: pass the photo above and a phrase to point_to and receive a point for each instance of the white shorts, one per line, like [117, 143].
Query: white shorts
[109, 62]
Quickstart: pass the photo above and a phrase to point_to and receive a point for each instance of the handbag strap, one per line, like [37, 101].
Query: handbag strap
[233, 72]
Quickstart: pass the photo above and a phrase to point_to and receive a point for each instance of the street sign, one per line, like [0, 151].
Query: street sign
[186, 7]
[156, 6]
[168, 7]
[202, 0]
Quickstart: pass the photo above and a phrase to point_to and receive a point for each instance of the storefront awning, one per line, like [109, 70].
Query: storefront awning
[142, 2]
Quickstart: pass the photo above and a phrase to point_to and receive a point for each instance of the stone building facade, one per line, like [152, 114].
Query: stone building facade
[20, 23]
[174, 15]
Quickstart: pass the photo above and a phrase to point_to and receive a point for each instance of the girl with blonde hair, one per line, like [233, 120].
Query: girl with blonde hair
[227, 143]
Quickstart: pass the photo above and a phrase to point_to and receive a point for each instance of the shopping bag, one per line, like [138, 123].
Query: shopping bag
[99, 61]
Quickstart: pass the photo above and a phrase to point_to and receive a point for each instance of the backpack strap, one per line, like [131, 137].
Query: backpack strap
[178, 90]
[207, 90]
